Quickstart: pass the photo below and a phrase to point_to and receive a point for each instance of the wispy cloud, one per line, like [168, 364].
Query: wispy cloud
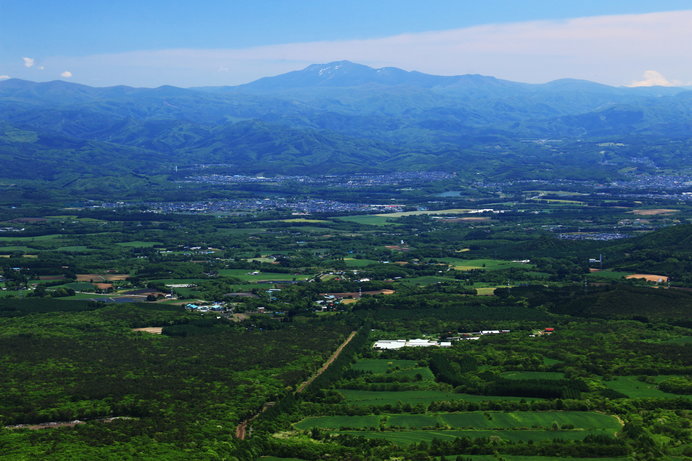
[29, 62]
[654, 78]
[608, 49]
[4, 77]
[66, 74]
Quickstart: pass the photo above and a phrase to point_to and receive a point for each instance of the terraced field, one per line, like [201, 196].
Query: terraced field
[416, 436]
[472, 420]
[512, 426]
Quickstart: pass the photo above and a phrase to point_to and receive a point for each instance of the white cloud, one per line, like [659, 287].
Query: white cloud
[66, 74]
[29, 62]
[654, 78]
[608, 49]
[4, 77]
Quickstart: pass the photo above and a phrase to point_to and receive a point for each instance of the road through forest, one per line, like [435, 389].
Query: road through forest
[241, 429]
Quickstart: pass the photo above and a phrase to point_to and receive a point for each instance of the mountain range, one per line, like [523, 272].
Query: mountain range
[342, 117]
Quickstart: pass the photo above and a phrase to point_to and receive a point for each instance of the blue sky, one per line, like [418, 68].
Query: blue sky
[185, 43]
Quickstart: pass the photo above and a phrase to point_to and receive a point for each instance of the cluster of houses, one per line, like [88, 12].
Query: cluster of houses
[445, 342]
[399, 343]
[206, 308]
[543, 332]
[475, 335]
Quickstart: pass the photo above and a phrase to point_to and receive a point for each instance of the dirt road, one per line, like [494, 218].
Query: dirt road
[326, 364]
[242, 429]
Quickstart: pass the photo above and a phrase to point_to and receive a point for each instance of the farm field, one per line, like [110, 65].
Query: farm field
[476, 420]
[610, 275]
[425, 280]
[525, 458]
[635, 389]
[653, 211]
[368, 219]
[426, 212]
[649, 277]
[303, 220]
[38, 238]
[8, 249]
[533, 375]
[377, 398]
[379, 366]
[336, 422]
[250, 276]
[417, 436]
[484, 264]
[382, 369]
[353, 262]
[139, 244]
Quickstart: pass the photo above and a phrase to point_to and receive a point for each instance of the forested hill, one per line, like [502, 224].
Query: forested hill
[344, 117]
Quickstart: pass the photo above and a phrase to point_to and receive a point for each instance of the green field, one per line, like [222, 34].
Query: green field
[9, 249]
[250, 276]
[533, 375]
[138, 244]
[368, 219]
[484, 264]
[30, 239]
[359, 397]
[380, 366]
[530, 419]
[424, 372]
[336, 422]
[178, 281]
[353, 262]
[83, 296]
[635, 389]
[426, 280]
[524, 458]
[410, 437]
[609, 275]
[401, 214]
[79, 286]
[472, 420]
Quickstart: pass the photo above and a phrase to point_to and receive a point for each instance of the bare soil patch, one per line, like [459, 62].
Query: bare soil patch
[649, 277]
[51, 277]
[355, 294]
[101, 277]
[654, 211]
[152, 330]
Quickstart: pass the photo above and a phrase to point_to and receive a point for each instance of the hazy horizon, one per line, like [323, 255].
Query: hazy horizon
[629, 43]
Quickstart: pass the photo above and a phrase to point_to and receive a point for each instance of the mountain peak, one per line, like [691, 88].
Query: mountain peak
[343, 74]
